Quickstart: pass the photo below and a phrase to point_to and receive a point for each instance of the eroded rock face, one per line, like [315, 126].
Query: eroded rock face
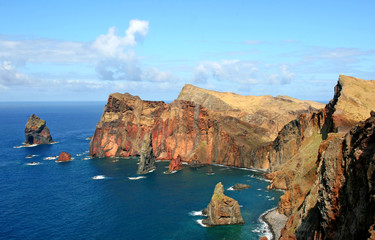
[240, 186]
[147, 160]
[222, 210]
[64, 157]
[36, 131]
[175, 164]
[183, 128]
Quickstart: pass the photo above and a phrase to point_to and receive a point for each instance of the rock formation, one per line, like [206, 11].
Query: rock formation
[64, 157]
[240, 186]
[147, 160]
[175, 164]
[222, 210]
[195, 133]
[36, 131]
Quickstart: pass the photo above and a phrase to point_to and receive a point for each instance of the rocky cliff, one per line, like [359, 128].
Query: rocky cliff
[36, 131]
[295, 153]
[221, 133]
[222, 210]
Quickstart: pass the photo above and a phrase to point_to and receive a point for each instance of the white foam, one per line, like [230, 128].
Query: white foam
[79, 154]
[196, 213]
[271, 199]
[168, 172]
[136, 178]
[50, 158]
[87, 158]
[31, 156]
[53, 143]
[99, 177]
[259, 189]
[231, 188]
[22, 146]
[33, 163]
[210, 174]
[199, 221]
[264, 228]
[185, 163]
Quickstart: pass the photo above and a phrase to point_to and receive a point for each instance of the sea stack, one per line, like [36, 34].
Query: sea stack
[36, 131]
[175, 164]
[64, 157]
[147, 161]
[222, 209]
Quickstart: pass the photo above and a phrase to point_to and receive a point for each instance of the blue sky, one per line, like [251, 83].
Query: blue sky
[85, 50]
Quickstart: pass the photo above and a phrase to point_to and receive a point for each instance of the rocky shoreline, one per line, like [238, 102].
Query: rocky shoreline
[275, 222]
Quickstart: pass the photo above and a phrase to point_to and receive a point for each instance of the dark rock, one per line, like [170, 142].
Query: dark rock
[64, 157]
[36, 131]
[240, 186]
[222, 210]
[147, 161]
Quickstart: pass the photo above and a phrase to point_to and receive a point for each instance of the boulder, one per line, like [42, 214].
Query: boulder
[222, 210]
[64, 157]
[36, 131]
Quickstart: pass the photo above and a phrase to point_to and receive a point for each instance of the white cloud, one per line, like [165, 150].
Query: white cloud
[112, 45]
[9, 76]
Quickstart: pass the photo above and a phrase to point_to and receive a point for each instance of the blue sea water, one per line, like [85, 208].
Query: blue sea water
[62, 201]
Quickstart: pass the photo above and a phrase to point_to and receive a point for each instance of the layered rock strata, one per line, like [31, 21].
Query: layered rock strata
[147, 160]
[36, 131]
[189, 130]
[222, 210]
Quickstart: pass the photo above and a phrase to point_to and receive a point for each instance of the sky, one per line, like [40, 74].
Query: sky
[85, 50]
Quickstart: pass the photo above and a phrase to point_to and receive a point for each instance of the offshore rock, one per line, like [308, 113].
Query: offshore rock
[175, 164]
[64, 157]
[240, 186]
[147, 160]
[36, 131]
[222, 210]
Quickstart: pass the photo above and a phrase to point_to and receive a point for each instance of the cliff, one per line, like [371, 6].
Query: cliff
[221, 133]
[147, 160]
[36, 131]
[295, 153]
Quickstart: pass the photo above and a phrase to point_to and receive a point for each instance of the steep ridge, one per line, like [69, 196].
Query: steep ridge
[265, 112]
[294, 155]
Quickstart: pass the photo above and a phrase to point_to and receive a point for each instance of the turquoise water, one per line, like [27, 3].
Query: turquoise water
[62, 201]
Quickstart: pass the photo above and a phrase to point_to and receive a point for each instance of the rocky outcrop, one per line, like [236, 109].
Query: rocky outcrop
[64, 157]
[147, 160]
[36, 131]
[222, 210]
[175, 164]
[240, 186]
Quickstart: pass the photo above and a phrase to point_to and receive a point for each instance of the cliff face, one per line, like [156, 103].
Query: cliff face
[147, 160]
[223, 134]
[36, 131]
[344, 188]
[301, 152]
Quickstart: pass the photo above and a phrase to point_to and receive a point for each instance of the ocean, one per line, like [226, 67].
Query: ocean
[62, 200]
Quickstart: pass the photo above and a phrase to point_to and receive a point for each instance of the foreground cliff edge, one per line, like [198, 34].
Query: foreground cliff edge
[207, 127]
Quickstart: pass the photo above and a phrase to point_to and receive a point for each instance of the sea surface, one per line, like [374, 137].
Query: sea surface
[62, 200]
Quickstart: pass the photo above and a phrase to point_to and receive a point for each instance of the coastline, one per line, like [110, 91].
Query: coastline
[275, 222]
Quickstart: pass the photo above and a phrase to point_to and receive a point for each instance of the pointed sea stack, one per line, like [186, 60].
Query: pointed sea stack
[222, 209]
[36, 131]
[175, 164]
[147, 161]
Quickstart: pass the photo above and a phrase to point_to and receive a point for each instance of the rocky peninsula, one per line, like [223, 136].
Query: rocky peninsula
[321, 155]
